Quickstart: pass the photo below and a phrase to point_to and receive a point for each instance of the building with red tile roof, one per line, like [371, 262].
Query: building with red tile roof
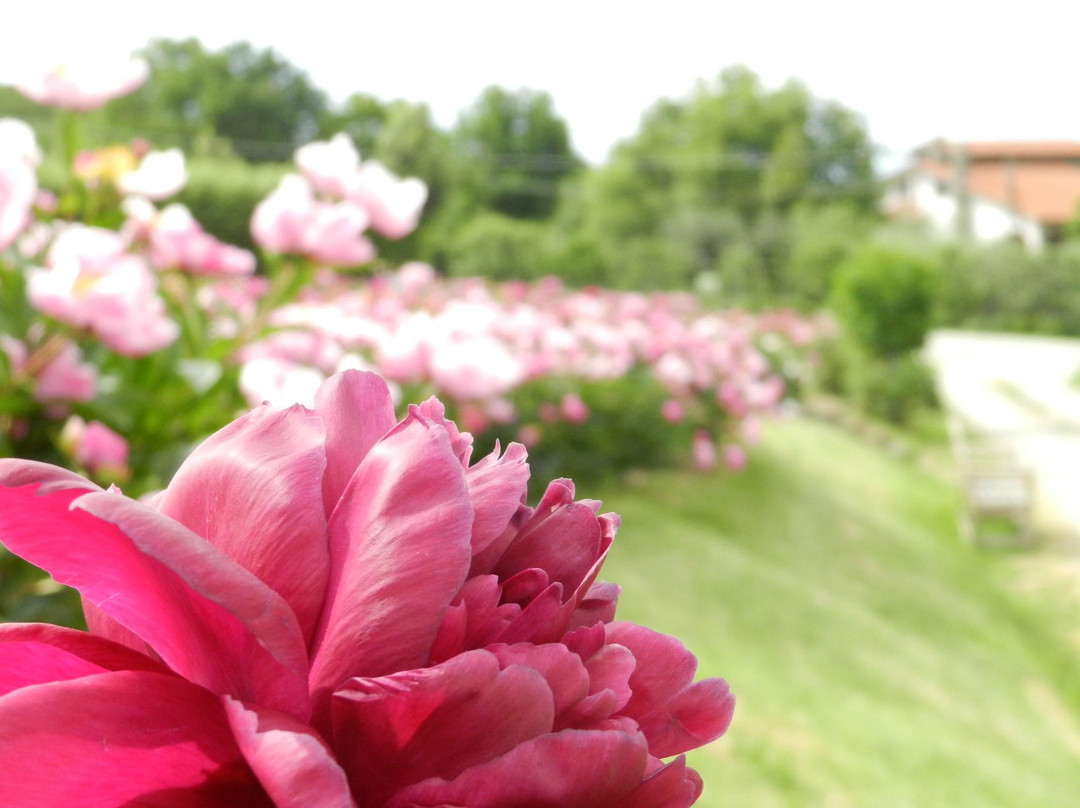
[989, 191]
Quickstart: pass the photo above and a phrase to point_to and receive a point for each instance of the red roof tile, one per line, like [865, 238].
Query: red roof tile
[1005, 149]
[1044, 185]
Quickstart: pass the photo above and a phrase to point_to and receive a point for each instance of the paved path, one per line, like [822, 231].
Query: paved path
[1018, 386]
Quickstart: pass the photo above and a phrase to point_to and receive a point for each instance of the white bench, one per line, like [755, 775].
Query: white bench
[998, 490]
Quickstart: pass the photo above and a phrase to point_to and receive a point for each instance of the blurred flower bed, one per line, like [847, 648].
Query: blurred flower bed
[128, 334]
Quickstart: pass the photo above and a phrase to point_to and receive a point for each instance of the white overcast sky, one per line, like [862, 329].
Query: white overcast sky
[914, 70]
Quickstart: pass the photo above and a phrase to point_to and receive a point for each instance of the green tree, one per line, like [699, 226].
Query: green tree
[409, 144]
[723, 171]
[518, 150]
[361, 117]
[259, 102]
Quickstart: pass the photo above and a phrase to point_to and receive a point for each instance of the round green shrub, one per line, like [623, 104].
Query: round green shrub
[885, 300]
[894, 388]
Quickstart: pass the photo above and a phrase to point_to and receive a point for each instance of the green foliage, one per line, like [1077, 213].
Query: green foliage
[865, 643]
[262, 104]
[719, 178]
[361, 117]
[892, 388]
[624, 430]
[885, 300]
[518, 149]
[43, 119]
[410, 145]
[821, 240]
[578, 260]
[1003, 287]
[222, 194]
[500, 248]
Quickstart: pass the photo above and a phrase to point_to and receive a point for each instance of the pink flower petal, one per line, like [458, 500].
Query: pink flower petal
[675, 713]
[569, 769]
[597, 606]
[399, 549]
[357, 410]
[672, 786]
[475, 620]
[290, 760]
[35, 653]
[248, 489]
[563, 538]
[497, 487]
[209, 619]
[497, 484]
[397, 730]
[51, 479]
[124, 738]
[561, 669]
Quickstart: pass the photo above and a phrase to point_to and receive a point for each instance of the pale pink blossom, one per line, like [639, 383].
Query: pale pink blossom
[279, 383]
[750, 430]
[177, 241]
[414, 277]
[291, 220]
[160, 174]
[330, 608]
[96, 448]
[394, 204]
[18, 141]
[87, 83]
[500, 410]
[18, 189]
[330, 166]
[529, 435]
[140, 217]
[672, 411]
[573, 409]
[734, 457]
[92, 283]
[45, 201]
[66, 377]
[279, 220]
[474, 369]
[19, 156]
[547, 412]
[703, 451]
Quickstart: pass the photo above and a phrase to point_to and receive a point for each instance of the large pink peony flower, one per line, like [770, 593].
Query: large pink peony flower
[328, 608]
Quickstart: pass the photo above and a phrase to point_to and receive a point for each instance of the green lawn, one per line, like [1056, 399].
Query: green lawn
[877, 659]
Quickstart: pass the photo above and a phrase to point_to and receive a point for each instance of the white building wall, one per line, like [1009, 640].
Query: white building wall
[993, 222]
[933, 199]
[989, 221]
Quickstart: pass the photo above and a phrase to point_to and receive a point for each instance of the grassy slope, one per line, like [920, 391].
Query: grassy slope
[878, 661]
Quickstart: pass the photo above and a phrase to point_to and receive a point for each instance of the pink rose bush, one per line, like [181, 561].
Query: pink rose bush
[329, 607]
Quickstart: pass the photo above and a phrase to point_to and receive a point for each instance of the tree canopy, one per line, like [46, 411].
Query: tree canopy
[519, 149]
[718, 176]
[259, 102]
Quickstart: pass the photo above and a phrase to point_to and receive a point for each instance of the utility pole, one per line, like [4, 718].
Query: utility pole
[961, 195]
